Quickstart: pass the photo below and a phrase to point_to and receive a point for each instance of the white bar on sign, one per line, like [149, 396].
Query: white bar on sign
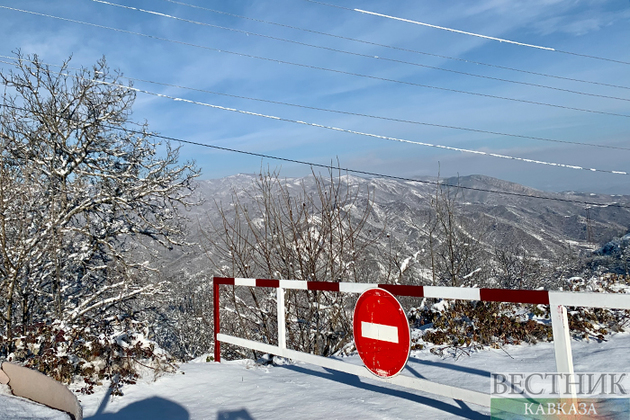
[379, 332]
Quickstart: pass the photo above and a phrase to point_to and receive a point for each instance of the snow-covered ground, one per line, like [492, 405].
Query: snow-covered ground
[244, 390]
[15, 408]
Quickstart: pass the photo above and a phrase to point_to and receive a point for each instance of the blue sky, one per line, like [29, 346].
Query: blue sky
[589, 27]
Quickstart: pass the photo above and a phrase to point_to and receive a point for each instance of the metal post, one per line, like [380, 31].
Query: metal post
[217, 321]
[282, 337]
[562, 341]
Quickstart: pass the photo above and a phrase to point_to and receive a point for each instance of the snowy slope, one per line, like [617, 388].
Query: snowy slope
[243, 390]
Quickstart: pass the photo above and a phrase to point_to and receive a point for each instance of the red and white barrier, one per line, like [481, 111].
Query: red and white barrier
[556, 300]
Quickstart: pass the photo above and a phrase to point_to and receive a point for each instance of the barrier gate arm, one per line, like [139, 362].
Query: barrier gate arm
[418, 384]
[557, 301]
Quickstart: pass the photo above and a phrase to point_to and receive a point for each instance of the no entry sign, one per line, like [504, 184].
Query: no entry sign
[381, 332]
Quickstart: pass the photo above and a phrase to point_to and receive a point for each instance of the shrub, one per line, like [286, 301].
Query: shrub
[115, 350]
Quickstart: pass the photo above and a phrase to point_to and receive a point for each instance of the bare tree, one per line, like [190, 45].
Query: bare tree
[82, 190]
[455, 244]
[513, 268]
[287, 232]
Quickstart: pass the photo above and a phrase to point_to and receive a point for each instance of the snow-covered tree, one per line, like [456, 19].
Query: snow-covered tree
[83, 190]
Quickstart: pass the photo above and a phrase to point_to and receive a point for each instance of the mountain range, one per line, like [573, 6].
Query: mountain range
[540, 224]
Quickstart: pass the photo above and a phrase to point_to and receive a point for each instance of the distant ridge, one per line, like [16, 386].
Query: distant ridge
[544, 229]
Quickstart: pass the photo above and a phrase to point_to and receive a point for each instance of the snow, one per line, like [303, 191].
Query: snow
[472, 273]
[16, 408]
[245, 390]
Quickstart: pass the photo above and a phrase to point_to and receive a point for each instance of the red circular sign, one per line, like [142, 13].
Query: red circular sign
[381, 332]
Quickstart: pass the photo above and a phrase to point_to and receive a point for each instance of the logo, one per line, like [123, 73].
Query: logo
[554, 395]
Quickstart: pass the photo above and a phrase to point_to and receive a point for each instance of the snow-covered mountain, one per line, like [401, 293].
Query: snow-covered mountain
[546, 227]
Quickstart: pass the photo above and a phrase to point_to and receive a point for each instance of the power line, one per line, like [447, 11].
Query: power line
[372, 57]
[318, 67]
[350, 170]
[491, 38]
[380, 175]
[446, 57]
[358, 114]
[474, 130]
[377, 136]
[503, 40]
